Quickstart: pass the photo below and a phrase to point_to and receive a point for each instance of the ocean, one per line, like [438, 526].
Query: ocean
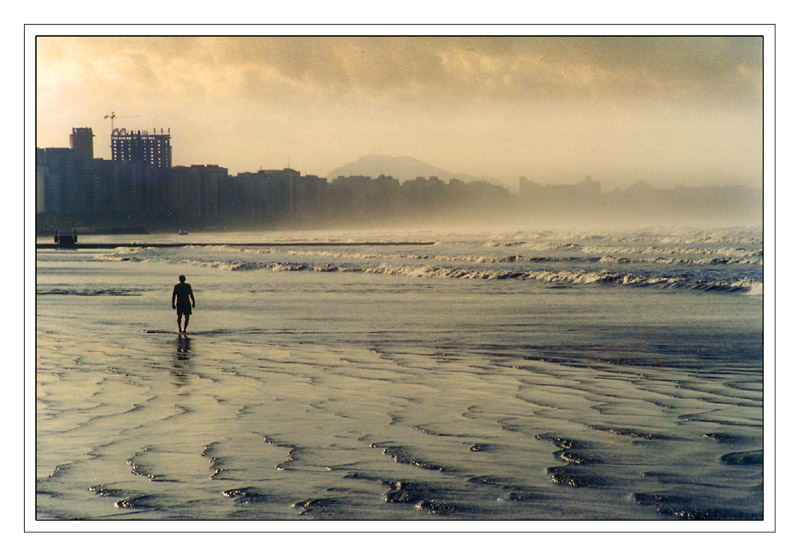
[526, 375]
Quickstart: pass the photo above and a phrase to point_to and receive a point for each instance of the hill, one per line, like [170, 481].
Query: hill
[402, 168]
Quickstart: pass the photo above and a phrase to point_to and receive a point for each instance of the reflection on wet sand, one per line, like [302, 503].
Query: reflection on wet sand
[184, 348]
[182, 359]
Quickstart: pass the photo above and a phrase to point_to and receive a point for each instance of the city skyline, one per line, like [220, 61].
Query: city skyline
[671, 110]
[140, 186]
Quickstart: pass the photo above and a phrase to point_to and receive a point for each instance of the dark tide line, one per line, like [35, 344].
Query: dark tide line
[324, 506]
[426, 497]
[747, 458]
[138, 469]
[57, 471]
[291, 451]
[731, 438]
[401, 455]
[235, 244]
[145, 502]
[627, 432]
[214, 461]
[246, 496]
[428, 431]
[688, 508]
[101, 490]
[577, 455]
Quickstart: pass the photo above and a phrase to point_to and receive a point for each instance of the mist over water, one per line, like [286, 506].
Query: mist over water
[522, 375]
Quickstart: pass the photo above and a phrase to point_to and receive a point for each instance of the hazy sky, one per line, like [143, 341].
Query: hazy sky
[670, 110]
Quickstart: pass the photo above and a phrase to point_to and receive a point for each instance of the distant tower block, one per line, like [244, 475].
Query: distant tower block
[81, 141]
[142, 146]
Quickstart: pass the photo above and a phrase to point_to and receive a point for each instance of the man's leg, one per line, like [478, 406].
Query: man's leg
[185, 321]
[179, 323]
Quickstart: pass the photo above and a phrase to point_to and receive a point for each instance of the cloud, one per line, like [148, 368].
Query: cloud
[549, 107]
[688, 68]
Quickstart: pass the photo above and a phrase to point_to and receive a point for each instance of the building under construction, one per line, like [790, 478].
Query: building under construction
[141, 146]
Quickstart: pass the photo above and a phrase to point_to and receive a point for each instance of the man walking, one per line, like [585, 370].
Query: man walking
[182, 293]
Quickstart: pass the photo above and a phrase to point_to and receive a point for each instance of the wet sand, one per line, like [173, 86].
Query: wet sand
[364, 396]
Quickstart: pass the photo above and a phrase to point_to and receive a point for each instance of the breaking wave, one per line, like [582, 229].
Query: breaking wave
[567, 277]
[708, 253]
[708, 261]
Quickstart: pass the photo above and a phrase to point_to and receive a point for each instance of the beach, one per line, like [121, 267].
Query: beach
[540, 375]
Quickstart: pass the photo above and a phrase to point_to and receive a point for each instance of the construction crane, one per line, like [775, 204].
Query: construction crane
[112, 117]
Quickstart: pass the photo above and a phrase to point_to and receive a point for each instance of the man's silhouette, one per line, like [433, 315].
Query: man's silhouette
[183, 294]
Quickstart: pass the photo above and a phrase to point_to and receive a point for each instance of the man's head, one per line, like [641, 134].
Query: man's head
[182, 278]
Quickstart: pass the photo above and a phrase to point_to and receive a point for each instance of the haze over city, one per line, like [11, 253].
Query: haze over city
[669, 110]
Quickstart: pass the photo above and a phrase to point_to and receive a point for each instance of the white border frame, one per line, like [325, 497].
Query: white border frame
[769, 227]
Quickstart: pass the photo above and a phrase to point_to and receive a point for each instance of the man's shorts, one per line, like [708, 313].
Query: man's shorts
[184, 309]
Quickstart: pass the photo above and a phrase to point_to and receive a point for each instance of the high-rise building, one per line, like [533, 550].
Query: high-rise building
[58, 173]
[142, 146]
[81, 141]
[193, 192]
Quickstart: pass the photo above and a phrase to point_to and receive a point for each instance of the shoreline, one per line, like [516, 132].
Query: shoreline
[211, 244]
